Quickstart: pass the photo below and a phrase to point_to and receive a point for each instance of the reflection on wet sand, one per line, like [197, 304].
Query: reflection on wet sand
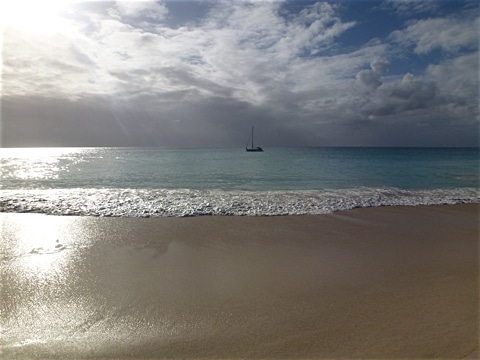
[76, 287]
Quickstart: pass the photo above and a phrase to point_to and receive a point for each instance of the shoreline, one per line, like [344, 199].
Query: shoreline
[383, 282]
[149, 203]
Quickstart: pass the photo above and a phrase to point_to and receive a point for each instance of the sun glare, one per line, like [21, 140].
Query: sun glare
[33, 16]
[42, 249]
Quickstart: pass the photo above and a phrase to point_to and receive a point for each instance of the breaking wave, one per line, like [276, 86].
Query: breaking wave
[180, 203]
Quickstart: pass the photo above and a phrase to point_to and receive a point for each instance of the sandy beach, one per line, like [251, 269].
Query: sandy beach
[376, 283]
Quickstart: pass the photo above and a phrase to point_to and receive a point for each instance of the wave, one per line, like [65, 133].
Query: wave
[180, 203]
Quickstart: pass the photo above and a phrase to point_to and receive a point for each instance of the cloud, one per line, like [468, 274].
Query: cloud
[145, 10]
[458, 87]
[411, 6]
[123, 66]
[448, 34]
[372, 78]
[240, 45]
[411, 93]
[447, 93]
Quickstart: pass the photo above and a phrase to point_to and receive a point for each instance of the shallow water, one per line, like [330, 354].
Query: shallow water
[143, 182]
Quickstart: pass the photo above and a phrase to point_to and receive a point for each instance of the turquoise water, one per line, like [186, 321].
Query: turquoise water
[180, 182]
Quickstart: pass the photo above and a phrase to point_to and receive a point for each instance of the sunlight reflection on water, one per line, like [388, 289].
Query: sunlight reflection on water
[36, 163]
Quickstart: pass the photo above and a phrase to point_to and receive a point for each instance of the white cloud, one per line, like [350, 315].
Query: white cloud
[411, 6]
[314, 29]
[448, 34]
[145, 10]
[243, 60]
[246, 47]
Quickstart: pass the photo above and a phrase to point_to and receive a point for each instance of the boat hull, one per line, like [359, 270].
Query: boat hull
[255, 149]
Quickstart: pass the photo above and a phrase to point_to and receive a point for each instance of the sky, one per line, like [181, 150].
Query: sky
[201, 73]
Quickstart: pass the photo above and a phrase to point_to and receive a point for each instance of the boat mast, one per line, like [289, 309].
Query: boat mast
[252, 137]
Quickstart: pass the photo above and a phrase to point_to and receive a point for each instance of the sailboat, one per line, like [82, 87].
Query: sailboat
[252, 148]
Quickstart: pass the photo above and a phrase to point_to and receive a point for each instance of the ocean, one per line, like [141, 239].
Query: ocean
[154, 182]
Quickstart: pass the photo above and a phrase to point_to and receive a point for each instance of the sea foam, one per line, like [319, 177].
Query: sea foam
[180, 203]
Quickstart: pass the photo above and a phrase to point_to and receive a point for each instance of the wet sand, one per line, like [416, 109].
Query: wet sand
[378, 283]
